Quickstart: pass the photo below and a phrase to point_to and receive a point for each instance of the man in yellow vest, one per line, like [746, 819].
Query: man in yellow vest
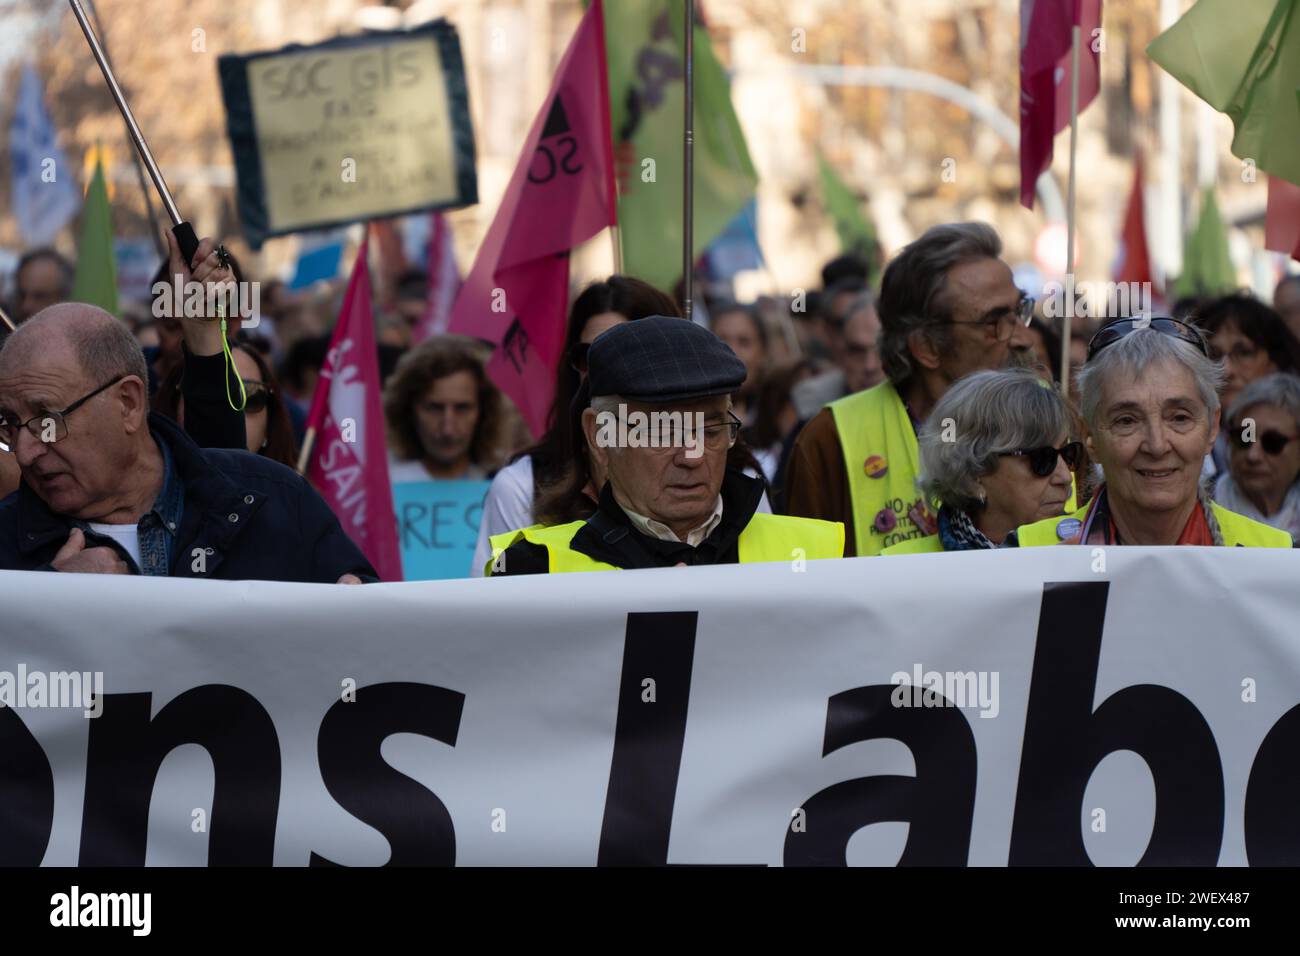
[660, 426]
[948, 307]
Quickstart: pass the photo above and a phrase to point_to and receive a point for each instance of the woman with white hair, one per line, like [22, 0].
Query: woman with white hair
[996, 453]
[1149, 398]
[1263, 477]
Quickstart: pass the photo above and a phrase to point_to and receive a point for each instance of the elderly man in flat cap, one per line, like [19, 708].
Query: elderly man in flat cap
[660, 426]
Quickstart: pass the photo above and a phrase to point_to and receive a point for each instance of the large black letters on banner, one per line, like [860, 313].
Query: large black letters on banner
[26, 794]
[126, 749]
[1272, 815]
[415, 822]
[648, 739]
[938, 803]
[1065, 740]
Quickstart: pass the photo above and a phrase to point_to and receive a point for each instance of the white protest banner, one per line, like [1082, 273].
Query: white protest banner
[1118, 706]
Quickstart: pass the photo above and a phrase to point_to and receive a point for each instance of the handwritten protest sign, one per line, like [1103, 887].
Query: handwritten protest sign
[351, 129]
[437, 526]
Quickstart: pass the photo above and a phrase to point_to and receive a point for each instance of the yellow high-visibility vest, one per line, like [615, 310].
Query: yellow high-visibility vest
[1238, 530]
[924, 545]
[766, 538]
[882, 457]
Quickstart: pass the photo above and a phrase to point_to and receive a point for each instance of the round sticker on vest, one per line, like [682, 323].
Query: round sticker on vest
[875, 466]
[885, 521]
[1067, 528]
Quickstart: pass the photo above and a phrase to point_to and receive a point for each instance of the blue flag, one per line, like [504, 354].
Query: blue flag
[45, 195]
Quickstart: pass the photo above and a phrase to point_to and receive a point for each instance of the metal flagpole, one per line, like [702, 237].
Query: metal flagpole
[183, 231]
[688, 166]
[1069, 205]
[135, 157]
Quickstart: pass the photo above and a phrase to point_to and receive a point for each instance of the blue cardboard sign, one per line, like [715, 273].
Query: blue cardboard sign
[437, 527]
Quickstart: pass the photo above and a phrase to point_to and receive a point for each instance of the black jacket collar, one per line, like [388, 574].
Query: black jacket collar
[610, 536]
[211, 500]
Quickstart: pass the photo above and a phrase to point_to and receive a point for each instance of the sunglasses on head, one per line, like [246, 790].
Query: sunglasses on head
[1042, 461]
[1112, 332]
[1272, 442]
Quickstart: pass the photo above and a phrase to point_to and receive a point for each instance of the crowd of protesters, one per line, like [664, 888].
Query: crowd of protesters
[915, 412]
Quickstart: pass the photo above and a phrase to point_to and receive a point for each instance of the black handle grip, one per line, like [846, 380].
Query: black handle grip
[188, 242]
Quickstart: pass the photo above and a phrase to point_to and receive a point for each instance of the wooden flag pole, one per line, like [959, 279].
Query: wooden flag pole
[1076, 43]
[688, 166]
[304, 456]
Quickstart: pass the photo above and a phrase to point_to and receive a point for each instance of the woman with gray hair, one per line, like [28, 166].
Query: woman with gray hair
[1263, 477]
[996, 453]
[1149, 397]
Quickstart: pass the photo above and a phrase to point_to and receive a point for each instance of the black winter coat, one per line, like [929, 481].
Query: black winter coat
[245, 518]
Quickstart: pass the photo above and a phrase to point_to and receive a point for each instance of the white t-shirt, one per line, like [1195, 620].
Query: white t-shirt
[400, 472]
[509, 507]
[127, 535]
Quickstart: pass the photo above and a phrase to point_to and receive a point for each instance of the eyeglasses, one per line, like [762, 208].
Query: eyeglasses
[1005, 322]
[671, 435]
[1042, 461]
[578, 357]
[1239, 354]
[48, 426]
[1112, 332]
[1272, 442]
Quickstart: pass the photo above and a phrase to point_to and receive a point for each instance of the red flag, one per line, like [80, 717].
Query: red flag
[349, 461]
[444, 282]
[1282, 220]
[1134, 262]
[1045, 45]
[561, 194]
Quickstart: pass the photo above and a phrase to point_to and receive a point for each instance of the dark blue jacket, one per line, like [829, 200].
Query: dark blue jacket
[251, 518]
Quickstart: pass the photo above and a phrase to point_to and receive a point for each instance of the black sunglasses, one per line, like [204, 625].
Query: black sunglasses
[1112, 332]
[1272, 442]
[1042, 461]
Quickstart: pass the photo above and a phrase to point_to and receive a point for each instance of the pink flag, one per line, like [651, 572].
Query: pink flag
[1282, 220]
[561, 194]
[1045, 44]
[444, 282]
[349, 461]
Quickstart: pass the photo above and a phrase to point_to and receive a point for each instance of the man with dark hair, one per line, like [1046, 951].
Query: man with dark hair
[110, 488]
[947, 307]
[43, 278]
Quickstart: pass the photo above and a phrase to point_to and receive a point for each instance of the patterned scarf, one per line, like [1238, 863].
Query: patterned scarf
[958, 533]
[1099, 527]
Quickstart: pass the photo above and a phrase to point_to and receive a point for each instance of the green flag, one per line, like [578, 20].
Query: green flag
[643, 39]
[96, 278]
[1243, 58]
[1207, 268]
[856, 233]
